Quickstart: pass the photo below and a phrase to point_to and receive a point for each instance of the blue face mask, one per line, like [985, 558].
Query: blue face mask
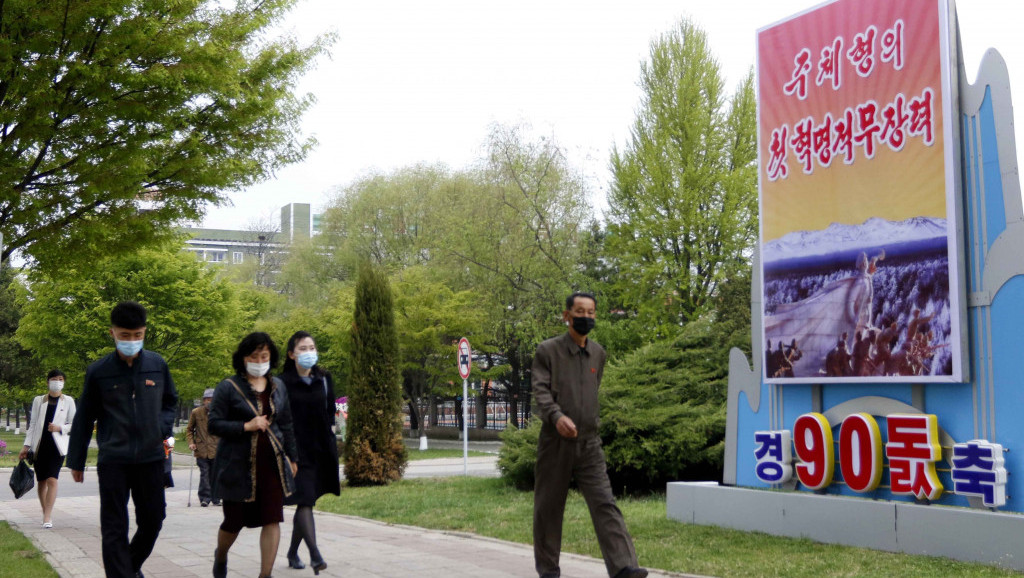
[306, 359]
[128, 348]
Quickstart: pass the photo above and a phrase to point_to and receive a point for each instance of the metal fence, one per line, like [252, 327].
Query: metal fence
[496, 415]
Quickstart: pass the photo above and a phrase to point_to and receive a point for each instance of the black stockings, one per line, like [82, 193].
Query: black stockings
[303, 528]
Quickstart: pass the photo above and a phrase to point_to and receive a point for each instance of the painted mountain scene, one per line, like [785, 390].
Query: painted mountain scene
[858, 302]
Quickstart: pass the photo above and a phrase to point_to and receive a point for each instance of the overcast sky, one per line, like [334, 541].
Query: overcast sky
[410, 81]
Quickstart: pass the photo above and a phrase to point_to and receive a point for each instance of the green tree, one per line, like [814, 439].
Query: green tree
[683, 201]
[120, 117]
[374, 450]
[382, 218]
[21, 376]
[430, 320]
[513, 231]
[195, 319]
[663, 408]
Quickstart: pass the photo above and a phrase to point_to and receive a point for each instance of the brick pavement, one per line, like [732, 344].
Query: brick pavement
[352, 546]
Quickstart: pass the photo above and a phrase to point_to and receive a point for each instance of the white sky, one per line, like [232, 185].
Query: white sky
[411, 81]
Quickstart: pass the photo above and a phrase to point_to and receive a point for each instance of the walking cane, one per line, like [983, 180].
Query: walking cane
[190, 470]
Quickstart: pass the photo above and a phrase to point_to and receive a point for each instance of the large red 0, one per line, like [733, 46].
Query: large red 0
[812, 438]
[860, 452]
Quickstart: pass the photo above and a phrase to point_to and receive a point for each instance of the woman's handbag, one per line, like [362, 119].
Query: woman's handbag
[22, 479]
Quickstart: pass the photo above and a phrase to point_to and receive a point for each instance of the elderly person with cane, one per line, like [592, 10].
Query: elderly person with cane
[204, 448]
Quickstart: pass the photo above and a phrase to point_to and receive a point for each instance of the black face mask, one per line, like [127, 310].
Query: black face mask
[582, 325]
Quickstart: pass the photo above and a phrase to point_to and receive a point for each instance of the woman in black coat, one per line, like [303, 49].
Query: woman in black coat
[311, 396]
[256, 457]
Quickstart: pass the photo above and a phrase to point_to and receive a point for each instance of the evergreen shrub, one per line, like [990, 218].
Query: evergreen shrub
[518, 454]
[663, 410]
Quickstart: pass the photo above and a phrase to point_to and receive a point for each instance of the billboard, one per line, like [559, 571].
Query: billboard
[857, 185]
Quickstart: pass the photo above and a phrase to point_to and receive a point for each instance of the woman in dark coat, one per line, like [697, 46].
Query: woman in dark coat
[311, 396]
[256, 456]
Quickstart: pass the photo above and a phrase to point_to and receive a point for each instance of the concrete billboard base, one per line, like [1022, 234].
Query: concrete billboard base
[958, 533]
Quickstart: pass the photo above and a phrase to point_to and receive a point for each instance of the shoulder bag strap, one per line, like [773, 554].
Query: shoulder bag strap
[273, 438]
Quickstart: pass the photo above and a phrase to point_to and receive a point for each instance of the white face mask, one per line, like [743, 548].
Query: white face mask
[55, 385]
[257, 369]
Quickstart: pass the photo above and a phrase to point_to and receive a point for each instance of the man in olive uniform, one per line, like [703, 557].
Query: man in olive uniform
[204, 447]
[566, 374]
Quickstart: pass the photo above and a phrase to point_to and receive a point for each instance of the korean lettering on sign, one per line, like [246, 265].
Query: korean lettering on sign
[912, 450]
[816, 141]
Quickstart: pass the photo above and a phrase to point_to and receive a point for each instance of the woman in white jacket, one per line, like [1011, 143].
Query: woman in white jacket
[47, 438]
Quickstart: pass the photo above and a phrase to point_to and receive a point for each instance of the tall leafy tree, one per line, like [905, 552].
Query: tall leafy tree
[195, 318]
[382, 218]
[514, 232]
[430, 319]
[21, 376]
[683, 200]
[374, 451]
[119, 117]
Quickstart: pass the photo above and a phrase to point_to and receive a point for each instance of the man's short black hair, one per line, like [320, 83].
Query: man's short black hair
[55, 373]
[128, 315]
[249, 344]
[571, 300]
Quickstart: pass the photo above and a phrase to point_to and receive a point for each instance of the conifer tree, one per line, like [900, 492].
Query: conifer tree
[374, 451]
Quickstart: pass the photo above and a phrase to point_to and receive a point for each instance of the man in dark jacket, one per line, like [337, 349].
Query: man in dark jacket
[204, 447]
[130, 397]
[566, 374]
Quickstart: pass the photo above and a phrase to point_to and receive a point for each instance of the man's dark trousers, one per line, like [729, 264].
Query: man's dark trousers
[558, 461]
[145, 483]
[205, 471]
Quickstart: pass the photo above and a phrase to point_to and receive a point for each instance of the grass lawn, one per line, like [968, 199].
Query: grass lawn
[16, 442]
[21, 558]
[441, 453]
[489, 507]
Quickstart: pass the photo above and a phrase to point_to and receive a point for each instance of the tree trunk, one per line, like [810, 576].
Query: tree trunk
[414, 418]
[481, 407]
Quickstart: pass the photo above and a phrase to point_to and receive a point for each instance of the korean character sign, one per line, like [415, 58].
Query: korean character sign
[774, 455]
[978, 470]
[857, 188]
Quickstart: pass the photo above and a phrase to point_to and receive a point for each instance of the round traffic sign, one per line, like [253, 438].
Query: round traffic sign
[465, 358]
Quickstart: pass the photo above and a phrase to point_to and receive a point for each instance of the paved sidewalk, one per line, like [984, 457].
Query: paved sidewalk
[351, 546]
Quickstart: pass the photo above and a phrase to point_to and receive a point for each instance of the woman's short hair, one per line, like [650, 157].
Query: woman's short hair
[250, 343]
[55, 373]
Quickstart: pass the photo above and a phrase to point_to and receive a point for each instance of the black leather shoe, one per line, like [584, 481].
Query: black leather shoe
[629, 572]
[318, 565]
[220, 569]
[295, 563]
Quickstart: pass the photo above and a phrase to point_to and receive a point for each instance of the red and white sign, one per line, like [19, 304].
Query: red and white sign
[858, 205]
[465, 358]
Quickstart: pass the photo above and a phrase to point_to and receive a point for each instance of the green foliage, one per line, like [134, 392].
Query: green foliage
[195, 319]
[430, 319]
[518, 454]
[112, 106]
[374, 451]
[385, 218]
[663, 409]
[21, 376]
[514, 233]
[683, 201]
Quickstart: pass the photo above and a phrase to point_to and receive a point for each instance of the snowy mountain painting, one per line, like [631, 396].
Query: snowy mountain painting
[864, 301]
